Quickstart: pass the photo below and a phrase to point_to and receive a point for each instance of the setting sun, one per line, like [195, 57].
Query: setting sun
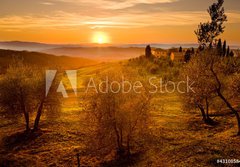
[100, 38]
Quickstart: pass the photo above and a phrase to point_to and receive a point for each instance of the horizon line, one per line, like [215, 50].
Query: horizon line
[110, 44]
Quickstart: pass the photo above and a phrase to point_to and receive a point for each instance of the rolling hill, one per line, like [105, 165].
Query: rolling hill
[98, 53]
[42, 59]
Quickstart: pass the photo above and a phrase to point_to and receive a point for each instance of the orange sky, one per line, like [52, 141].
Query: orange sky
[132, 21]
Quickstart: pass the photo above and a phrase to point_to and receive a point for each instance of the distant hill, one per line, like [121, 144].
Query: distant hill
[98, 53]
[35, 46]
[31, 46]
[42, 59]
[89, 51]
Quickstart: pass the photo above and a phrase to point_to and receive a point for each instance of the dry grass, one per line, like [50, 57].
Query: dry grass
[179, 138]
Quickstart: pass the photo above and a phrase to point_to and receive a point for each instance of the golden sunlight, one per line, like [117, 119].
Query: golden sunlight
[100, 38]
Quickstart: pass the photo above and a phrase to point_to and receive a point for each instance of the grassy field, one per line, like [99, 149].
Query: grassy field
[178, 138]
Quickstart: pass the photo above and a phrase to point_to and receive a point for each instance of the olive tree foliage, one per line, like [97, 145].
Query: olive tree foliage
[15, 88]
[203, 89]
[207, 32]
[22, 91]
[119, 122]
[212, 76]
[235, 86]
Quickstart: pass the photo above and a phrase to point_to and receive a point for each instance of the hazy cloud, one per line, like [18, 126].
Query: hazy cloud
[71, 20]
[47, 3]
[113, 4]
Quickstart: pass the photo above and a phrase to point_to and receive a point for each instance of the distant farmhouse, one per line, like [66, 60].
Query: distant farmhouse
[177, 56]
[173, 54]
[160, 53]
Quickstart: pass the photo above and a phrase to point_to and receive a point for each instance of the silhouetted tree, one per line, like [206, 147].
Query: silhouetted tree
[219, 47]
[224, 48]
[228, 51]
[207, 32]
[187, 56]
[180, 49]
[148, 51]
[192, 51]
[231, 54]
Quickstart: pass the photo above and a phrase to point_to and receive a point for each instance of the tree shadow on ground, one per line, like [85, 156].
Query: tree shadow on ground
[197, 124]
[211, 122]
[19, 139]
[124, 161]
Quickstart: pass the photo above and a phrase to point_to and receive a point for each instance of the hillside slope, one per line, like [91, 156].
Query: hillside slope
[42, 59]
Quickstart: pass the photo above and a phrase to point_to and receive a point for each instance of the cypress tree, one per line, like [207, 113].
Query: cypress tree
[148, 51]
[187, 56]
[193, 51]
[219, 47]
[180, 49]
[224, 48]
[228, 51]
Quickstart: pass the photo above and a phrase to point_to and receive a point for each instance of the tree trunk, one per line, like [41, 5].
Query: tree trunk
[120, 149]
[39, 113]
[128, 145]
[78, 160]
[26, 116]
[203, 113]
[231, 108]
[225, 100]
[207, 109]
[208, 119]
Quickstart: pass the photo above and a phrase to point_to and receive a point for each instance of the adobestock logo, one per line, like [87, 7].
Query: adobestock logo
[51, 76]
[155, 85]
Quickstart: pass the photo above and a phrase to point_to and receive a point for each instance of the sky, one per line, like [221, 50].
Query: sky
[111, 21]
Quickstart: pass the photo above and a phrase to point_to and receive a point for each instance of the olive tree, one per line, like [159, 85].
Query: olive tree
[212, 75]
[202, 93]
[15, 89]
[22, 91]
[118, 120]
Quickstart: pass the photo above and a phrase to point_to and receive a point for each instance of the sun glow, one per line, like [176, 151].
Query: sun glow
[100, 38]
